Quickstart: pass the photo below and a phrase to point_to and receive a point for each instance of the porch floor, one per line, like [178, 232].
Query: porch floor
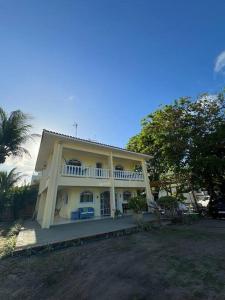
[61, 221]
[32, 235]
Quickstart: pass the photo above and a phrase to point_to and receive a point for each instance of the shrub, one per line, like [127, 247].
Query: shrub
[11, 239]
[169, 203]
[22, 196]
[137, 204]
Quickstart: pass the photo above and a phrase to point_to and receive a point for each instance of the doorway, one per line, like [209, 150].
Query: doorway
[105, 203]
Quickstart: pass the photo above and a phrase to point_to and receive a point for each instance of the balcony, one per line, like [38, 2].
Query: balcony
[127, 175]
[82, 171]
[77, 171]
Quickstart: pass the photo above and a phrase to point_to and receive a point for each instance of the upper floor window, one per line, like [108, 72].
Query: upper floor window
[119, 168]
[86, 196]
[126, 195]
[74, 162]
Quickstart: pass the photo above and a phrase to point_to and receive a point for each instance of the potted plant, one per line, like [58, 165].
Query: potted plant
[138, 205]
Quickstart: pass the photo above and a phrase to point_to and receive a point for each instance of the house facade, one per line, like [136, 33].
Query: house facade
[81, 179]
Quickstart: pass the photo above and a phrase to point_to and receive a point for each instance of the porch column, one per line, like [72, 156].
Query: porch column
[149, 196]
[112, 187]
[50, 201]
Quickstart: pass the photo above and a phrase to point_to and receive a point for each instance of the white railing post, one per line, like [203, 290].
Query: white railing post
[82, 171]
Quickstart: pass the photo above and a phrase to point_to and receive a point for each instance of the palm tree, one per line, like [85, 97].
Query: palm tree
[14, 131]
[8, 180]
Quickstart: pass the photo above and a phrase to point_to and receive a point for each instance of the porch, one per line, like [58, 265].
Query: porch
[32, 235]
[81, 204]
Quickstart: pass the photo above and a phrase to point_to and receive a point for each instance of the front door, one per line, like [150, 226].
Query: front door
[105, 203]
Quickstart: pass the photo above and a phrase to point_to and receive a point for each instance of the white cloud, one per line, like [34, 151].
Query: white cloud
[71, 99]
[220, 63]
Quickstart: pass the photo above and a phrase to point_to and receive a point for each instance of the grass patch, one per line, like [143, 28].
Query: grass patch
[9, 239]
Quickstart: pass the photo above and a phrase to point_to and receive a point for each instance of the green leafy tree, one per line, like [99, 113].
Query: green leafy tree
[187, 141]
[14, 132]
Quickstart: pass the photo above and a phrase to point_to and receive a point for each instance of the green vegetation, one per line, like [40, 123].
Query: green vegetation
[15, 197]
[7, 183]
[137, 204]
[14, 132]
[168, 202]
[8, 234]
[187, 140]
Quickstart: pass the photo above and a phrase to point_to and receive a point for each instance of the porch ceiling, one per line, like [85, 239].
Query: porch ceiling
[49, 138]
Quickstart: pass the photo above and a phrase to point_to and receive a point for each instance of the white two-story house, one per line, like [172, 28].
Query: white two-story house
[81, 178]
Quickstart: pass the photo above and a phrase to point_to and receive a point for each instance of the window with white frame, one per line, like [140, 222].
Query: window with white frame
[86, 196]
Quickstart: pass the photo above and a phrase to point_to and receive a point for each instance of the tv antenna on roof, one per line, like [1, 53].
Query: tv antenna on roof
[75, 125]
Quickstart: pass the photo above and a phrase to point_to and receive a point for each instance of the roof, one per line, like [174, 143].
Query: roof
[46, 134]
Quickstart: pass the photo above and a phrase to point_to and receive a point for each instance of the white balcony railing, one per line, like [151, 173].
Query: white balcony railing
[69, 170]
[128, 175]
[85, 171]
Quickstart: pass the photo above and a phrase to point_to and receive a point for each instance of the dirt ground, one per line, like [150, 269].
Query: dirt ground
[176, 262]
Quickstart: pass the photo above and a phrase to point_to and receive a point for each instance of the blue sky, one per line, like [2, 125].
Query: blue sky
[106, 64]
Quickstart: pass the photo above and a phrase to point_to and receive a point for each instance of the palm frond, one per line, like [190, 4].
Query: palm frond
[14, 132]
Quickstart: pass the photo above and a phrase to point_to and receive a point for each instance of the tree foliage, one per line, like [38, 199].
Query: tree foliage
[8, 180]
[137, 204]
[187, 140]
[14, 196]
[14, 132]
[7, 183]
[169, 203]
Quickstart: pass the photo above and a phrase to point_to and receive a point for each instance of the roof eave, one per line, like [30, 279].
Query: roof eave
[71, 138]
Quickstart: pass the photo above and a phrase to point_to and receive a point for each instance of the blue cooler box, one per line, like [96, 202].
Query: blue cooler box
[86, 212]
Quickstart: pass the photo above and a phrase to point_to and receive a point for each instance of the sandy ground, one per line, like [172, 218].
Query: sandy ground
[176, 262]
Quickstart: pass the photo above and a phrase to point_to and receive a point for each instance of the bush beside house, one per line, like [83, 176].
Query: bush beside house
[15, 202]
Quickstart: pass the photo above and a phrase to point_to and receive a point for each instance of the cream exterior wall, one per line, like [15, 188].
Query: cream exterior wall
[74, 199]
[89, 160]
[41, 206]
[127, 164]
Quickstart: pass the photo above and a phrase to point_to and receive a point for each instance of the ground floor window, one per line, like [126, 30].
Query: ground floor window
[86, 197]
